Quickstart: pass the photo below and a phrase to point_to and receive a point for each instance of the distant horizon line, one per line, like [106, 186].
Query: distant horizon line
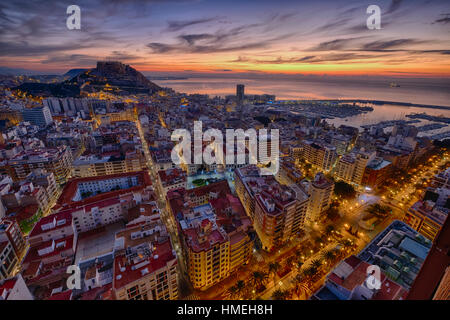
[5, 70]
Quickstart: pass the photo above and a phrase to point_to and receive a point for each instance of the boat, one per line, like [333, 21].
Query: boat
[394, 85]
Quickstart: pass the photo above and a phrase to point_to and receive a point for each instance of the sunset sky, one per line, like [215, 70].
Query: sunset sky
[245, 36]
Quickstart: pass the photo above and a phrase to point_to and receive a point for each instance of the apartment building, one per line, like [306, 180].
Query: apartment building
[145, 264]
[398, 251]
[53, 227]
[171, 179]
[8, 259]
[215, 232]
[423, 217]
[320, 191]
[319, 154]
[14, 289]
[93, 165]
[56, 160]
[98, 201]
[278, 211]
[351, 167]
[10, 231]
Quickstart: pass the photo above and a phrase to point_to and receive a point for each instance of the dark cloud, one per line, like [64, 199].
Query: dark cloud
[179, 25]
[192, 38]
[395, 5]
[337, 44]
[382, 45]
[444, 20]
[313, 59]
[169, 48]
[220, 41]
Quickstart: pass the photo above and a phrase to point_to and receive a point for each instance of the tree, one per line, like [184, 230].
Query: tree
[302, 287]
[310, 272]
[329, 229]
[238, 289]
[344, 190]
[316, 263]
[329, 255]
[290, 260]
[274, 267]
[232, 291]
[279, 295]
[258, 278]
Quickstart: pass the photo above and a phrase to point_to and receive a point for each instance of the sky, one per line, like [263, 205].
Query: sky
[318, 37]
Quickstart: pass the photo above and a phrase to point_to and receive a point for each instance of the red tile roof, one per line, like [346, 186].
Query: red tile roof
[63, 215]
[7, 286]
[164, 254]
[66, 295]
[33, 255]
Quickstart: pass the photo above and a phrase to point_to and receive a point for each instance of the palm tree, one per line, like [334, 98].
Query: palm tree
[279, 295]
[302, 286]
[310, 272]
[258, 278]
[274, 267]
[290, 260]
[329, 255]
[329, 229]
[240, 287]
[232, 291]
[316, 263]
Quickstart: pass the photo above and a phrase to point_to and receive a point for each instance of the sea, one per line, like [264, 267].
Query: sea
[424, 91]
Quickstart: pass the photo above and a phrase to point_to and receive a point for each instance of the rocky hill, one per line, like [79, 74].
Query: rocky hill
[115, 77]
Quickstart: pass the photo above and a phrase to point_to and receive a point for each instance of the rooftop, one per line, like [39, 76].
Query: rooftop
[399, 251]
[52, 222]
[72, 187]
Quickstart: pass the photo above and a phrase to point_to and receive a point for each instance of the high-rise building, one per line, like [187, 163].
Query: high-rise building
[278, 211]
[318, 154]
[8, 259]
[240, 95]
[57, 160]
[376, 172]
[320, 191]
[428, 215]
[215, 232]
[10, 231]
[39, 116]
[351, 167]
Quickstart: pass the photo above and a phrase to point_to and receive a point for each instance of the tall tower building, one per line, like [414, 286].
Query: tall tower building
[240, 93]
[320, 191]
[39, 116]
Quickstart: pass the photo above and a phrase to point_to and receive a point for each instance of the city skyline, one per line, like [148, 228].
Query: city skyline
[231, 37]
